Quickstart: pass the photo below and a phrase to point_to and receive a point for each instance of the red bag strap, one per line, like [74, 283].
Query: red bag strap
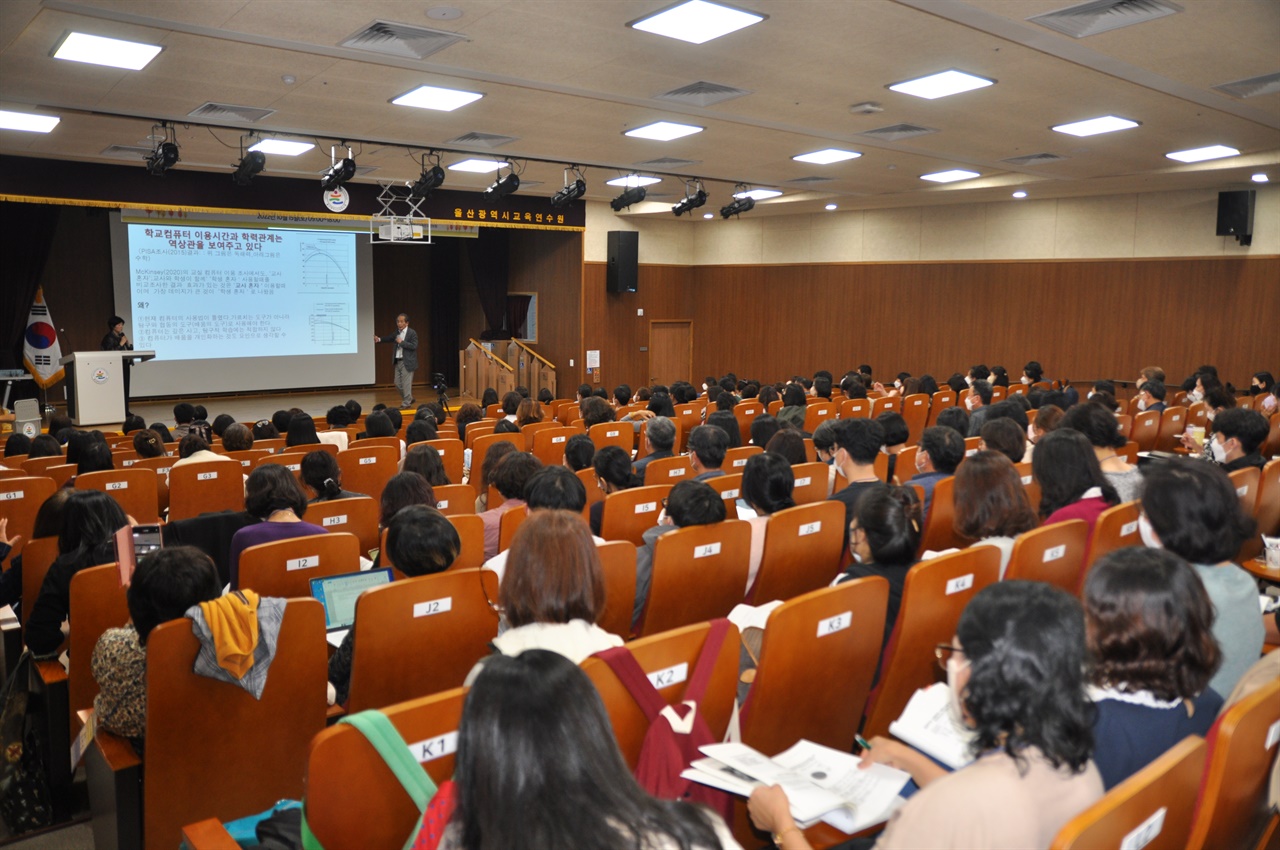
[629, 672]
[706, 663]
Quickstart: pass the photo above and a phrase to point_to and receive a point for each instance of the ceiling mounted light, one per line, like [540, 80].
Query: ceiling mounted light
[503, 186]
[941, 84]
[758, 194]
[165, 154]
[697, 21]
[633, 195]
[827, 156]
[708, 215]
[572, 190]
[742, 202]
[695, 195]
[663, 131]
[950, 176]
[27, 121]
[1094, 126]
[434, 97]
[1260, 178]
[478, 166]
[429, 181]
[830, 207]
[339, 172]
[282, 147]
[1202, 154]
[112, 52]
[251, 163]
[1019, 194]
[632, 180]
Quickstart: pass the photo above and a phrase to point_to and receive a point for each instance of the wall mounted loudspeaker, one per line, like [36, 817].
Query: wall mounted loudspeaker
[624, 246]
[1235, 215]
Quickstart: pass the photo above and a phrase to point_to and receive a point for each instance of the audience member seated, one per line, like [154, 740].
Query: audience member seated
[44, 445]
[1047, 419]
[90, 520]
[940, 451]
[579, 452]
[510, 404]
[553, 591]
[320, 472]
[690, 503]
[767, 487]
[184, 414]
[728, 423]
[1151, 396]
[488, 397]
[493, 456]
[659, 440]
[789, 444]
[1192, 509]
[1072, 485]
[528, 412]
[1016, 671]
[793, 405]
[510, 477]
[402, 490]
[551, 488]
[613, 473]
[466, 415]
[273, 497]
[17, 444]
[381, 423]
[896, 434]
[763, 427]
[420, 541]
[1264, 384]
[194, 448]
[133, 422]
[991, 505]
[595, 411]
[421, 430]
[165, 584]
[1237, 434]
[978, 403]
[237, 438]
[884, 535]
[48, 523]
[426, 461]
[707, 447]
[264, 429]
[93, 457]
[999, 376]
[1003, 435]
[301, 431]
[1102, 430]
[1148, 625]
[858, 441]
[955, 418]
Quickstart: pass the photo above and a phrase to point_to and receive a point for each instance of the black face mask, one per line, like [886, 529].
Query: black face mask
[1254, 389]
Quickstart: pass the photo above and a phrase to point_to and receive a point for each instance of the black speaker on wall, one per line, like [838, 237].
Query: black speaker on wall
[624, 248]
[1235, 214]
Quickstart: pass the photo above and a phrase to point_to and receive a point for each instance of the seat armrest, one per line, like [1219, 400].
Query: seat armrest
[207, 834]
[114, 775]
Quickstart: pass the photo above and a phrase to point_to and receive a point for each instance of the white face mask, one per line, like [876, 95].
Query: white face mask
[897, 385]
[1209, 416]
[971, 402]
[954, 707]
[1026, 380]
[1219, 451]
[1148, 533]
[968, 379]
[1142, 404]
[704, 388]
[1031, 432]
[1194, 396]
[920, 462]
[1090, 395]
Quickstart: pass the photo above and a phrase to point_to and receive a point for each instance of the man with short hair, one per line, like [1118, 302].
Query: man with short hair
[690, 503]
[184, 414]
[1151, 396]
[552, 488]
[1237, 432]
[659, 440]
[940, 451]
[578, 452]
[612, 466]
[822, 387]
[707, 447]
[406, 356]
[979, 405]
[857, 444]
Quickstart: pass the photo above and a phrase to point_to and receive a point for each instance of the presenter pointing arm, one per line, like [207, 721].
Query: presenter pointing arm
[115, 340]
[406, 357]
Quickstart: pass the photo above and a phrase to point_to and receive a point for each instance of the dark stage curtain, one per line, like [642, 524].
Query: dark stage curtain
[28, 230]
[488, 254]
[517, 312]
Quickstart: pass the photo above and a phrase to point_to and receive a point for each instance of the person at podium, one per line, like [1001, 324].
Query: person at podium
[115, 340]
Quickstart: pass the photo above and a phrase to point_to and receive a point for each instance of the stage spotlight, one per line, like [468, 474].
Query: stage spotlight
[164, 157]
[340, 172]
[695, 195]
[634, 195]
[429, 181]
[502, 187]
[737, 207]
[250, 164]
[571, 191]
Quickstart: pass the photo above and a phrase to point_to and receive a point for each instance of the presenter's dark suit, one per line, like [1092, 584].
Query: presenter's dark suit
[406, 362]
[111, 342]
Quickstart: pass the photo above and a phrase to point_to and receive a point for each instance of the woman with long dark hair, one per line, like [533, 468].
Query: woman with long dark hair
[991, 504]
[1072, 484]
[538, 766]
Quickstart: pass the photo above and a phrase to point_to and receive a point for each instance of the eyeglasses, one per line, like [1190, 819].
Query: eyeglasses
[664, 504]
[944, 651]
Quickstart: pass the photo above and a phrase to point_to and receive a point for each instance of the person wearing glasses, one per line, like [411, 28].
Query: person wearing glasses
[1016, 671]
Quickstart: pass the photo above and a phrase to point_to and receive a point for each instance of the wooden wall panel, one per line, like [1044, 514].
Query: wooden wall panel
[610, 322]
[550, 264]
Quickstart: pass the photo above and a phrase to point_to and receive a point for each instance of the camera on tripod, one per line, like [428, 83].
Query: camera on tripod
[438, 382]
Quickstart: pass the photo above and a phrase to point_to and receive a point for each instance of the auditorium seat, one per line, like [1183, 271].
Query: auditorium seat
[1173, 421]
[197, 488]
[746, 412]
[1146, 429]
[330, 448]
[1246, 481]
[1052, 553]
[699, 573]
[285, 568]
[20, 501]
[470, 530]
[97, 604]
[1266, 511]
[629, 513]
[802, 550]
[40, 465]
[730, 489]
[1116, 528]
[618, 564]
[548, 444]
[619, 434]
[357, 515]
[736, 458]
[915, 410]
[367, 469]
[481, 447]
[816, 414]
[135, 490]
[37, 556]
[886, 405]
[668, 470]
[855, 408]
[939, 402]
[455, 499]
[451, 455]
[939, 526]
[811, 482]
[508, 524]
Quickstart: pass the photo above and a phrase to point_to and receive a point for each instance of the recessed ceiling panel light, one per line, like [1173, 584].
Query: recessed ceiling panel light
[1259, 178]
[282, 147]
[708, 215]
[942, 84]
[663, 131]
[478, 166]
[758, 194]
[1201, 154]
[1019, 194]
[633, 180]
[950, 176]
[1094, 126]
[434, 97]
[27, 121]
[830, 207]
[112, 52]
[826, 157]
[697, 21]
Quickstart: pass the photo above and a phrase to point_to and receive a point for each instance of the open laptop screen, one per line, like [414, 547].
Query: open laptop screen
[339, 593]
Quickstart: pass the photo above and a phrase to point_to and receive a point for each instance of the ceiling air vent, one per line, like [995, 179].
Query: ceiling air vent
[1103, 15]
[702, 93]
[1252, 87]
[1033, 159]
[898, 132]
[664, 163]
[126, 151]
[402, 40]
[229, 112]
[805, 181]
[481, 140]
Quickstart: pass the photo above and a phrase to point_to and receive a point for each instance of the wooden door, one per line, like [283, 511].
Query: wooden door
[670, 351]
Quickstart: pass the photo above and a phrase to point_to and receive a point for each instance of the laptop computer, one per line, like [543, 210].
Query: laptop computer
[338, 594]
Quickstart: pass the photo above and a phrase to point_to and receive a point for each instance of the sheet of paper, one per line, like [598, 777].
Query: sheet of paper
[746, 616]
[868, 795]
[926, 724]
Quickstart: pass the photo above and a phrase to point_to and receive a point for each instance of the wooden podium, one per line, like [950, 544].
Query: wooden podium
[95, 384]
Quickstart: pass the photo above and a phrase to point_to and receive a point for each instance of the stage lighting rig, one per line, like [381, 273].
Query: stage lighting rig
[695, 195]
[430, 180]
[165, 154]
[339, 172]
[503, 186]
[740, 204]
[572, 190]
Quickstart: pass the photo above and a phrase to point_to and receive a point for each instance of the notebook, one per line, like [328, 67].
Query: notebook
[338, 594]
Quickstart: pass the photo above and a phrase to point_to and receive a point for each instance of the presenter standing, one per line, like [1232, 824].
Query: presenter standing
[115, 340]
[406, 357]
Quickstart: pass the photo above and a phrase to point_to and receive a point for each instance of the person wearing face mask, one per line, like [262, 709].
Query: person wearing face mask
[1151, 396]
[824, 446]
[858, 442]
[1016, 670]
[1047, 418]
[1192, 510]
[979, 406]
[1235, 436]
[939, 453]
[1216, 401]
[1032, 373]
[1262, 384]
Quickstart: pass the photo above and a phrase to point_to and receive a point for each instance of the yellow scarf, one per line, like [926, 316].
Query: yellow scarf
[233, 622]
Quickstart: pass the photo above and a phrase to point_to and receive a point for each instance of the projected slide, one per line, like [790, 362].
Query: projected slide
[200, 293]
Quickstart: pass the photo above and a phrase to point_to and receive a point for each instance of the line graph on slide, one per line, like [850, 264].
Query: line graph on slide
[325, 265]
[330, 324]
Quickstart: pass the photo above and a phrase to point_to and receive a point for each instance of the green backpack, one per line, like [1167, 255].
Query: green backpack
[375, 726]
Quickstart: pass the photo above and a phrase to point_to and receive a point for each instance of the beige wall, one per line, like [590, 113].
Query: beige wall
[1156, 224]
